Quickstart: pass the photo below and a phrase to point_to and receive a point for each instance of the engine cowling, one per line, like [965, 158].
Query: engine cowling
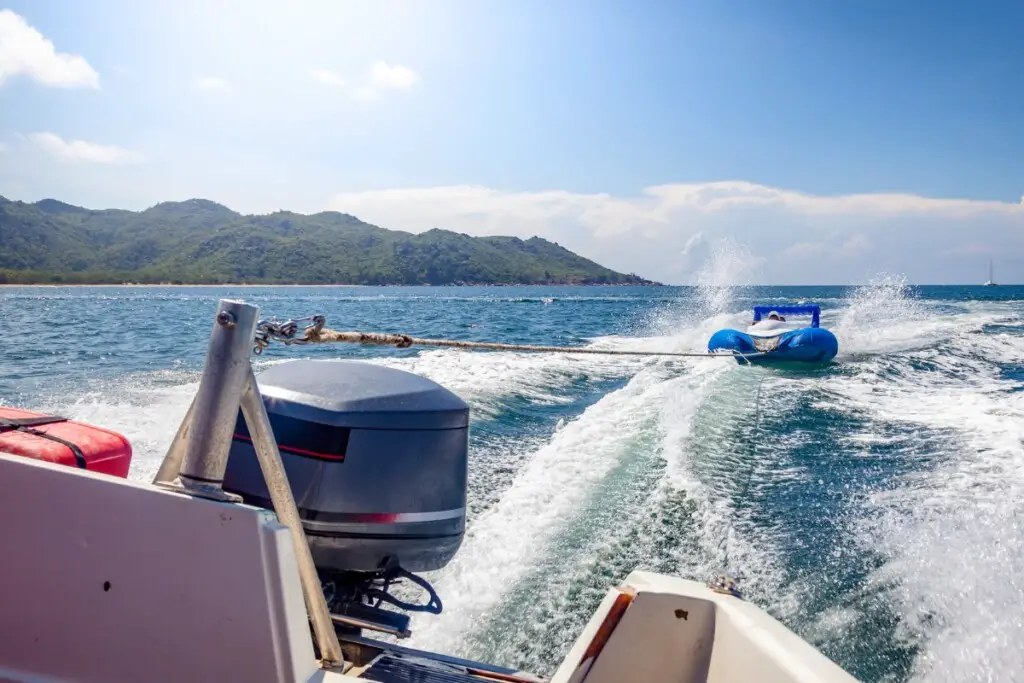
[376, 458]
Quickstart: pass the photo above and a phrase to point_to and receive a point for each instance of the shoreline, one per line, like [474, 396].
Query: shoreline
[169, 286]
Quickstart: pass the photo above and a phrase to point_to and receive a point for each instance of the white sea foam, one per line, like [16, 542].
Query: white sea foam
[657, 406]
[148, 408]
[951, 532]
[147, 415]
[484, 378]
[506, 541]
[953, 535]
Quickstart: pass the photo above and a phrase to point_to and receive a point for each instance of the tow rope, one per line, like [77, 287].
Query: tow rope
[287, 333]
[728, 582]
[316, 332]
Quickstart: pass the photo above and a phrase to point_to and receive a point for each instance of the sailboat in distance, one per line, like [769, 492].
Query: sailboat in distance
[991, 282]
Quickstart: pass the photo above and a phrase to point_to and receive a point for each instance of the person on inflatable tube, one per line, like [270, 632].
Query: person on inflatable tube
[772, 316]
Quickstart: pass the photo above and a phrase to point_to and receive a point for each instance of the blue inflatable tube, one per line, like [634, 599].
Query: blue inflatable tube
[811, 344]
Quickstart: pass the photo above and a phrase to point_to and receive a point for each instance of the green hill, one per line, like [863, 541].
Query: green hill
[201, 242]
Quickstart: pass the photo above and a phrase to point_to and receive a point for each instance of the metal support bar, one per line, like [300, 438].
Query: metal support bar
[171, 464]
[215, 409]
[269, 456]
[365, 624]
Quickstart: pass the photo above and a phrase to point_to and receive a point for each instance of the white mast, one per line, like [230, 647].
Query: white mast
[991, 280]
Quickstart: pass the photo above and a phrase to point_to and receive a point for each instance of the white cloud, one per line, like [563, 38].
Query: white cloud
[857, 243]
[365, 94]
[4, 148]
[327, 77]
[214, 84]
[73, 151]
[750, 233]
[380, 76]
[392, 76]
[665, 231]
[24, 51]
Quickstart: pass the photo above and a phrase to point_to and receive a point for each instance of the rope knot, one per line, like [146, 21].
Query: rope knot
[726, 585]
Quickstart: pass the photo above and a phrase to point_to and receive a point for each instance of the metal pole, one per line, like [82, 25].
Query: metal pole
[215, 409]
[176, 451]
[265, 445]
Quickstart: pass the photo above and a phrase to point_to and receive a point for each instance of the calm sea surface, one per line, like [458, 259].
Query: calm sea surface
[874, 507]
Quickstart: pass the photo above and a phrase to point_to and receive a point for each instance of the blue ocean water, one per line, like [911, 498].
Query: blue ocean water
[873, 506]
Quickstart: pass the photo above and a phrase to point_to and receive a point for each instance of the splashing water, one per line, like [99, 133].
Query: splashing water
[883, 315]
[723, 278]
[730, 269]
[882, 518]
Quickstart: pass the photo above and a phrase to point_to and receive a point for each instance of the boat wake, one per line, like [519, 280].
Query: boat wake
[880, 520]
[873, 506]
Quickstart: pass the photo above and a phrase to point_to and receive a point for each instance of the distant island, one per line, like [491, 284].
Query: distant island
[202, 242]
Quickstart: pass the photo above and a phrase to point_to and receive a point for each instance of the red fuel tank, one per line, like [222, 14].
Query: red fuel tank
[62, 441]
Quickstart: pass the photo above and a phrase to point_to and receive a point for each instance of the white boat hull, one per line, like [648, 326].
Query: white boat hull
[121, 581]
[679, 630]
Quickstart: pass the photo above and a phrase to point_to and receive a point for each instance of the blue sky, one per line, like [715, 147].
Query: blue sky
[829, 140]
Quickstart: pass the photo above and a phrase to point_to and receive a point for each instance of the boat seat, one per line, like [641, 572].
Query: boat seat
[679, 631]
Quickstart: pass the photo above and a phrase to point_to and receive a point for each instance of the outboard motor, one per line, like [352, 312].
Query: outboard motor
[377, 462]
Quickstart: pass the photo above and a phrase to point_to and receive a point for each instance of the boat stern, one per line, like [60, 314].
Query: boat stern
[657, 628]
